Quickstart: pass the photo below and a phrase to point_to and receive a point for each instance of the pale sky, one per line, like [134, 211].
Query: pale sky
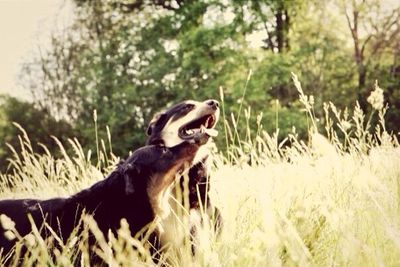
[24, 24]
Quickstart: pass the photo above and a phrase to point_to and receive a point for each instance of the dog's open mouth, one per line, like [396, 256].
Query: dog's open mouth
[204, 124]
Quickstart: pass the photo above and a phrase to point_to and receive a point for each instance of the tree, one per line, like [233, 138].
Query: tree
[276, 29]
[128, 62]
[130, 59]
[38, 124]
[374, 29]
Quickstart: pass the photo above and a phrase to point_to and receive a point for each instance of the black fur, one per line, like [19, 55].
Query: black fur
[123, 194]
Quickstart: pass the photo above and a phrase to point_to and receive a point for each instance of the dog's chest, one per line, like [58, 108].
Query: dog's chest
[159, 190]
[174, 223]
[174, 218]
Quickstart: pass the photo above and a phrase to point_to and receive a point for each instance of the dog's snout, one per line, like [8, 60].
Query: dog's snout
[213, 103]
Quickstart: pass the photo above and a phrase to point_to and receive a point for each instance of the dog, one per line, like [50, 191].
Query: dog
[172, 127]
[134, 191]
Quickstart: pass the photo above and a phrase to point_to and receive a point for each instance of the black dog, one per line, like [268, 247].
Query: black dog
[132, 191]
[171, 127]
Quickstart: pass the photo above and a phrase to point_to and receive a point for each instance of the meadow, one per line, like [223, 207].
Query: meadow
[331, 200]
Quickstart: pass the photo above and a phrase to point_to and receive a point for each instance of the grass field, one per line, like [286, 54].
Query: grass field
[332, 200]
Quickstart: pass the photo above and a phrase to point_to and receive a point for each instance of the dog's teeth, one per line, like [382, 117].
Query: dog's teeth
[209, 121]
[202, 129]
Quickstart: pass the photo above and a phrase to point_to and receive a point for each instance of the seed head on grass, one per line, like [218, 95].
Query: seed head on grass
[9, 235]
[376, 97]
[6, 222]
[30, 240]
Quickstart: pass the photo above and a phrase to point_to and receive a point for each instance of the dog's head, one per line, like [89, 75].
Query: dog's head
[183, 122]
[155, 166]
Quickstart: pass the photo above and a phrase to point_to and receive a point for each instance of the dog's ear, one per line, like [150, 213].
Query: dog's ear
[129, 188]
[150, 128]
[128, 174]
[158, 117]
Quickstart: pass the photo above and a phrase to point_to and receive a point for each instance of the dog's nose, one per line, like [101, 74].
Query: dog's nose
[213, 103]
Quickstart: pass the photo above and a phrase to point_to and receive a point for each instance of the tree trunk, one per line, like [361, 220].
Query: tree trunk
[282, 28]
[279, 30]
[362, 74]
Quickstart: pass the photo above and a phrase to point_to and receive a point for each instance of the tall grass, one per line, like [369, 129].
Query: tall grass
[332, 200]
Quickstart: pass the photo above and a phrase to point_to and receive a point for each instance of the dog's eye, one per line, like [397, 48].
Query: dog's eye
[188, 107]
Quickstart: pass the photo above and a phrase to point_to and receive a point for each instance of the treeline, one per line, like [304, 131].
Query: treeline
[130, 59]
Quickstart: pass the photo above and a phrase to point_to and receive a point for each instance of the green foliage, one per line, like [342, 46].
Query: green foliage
[39, 124]
[130, 59]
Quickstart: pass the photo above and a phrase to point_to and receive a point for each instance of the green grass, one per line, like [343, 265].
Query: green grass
[332, 200]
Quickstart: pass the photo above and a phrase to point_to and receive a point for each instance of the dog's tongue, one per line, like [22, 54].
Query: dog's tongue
[209, 132]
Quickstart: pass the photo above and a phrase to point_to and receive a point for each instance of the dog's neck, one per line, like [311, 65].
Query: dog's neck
[203, 152]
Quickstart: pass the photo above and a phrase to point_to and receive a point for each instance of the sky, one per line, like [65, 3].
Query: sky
[23, 25]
